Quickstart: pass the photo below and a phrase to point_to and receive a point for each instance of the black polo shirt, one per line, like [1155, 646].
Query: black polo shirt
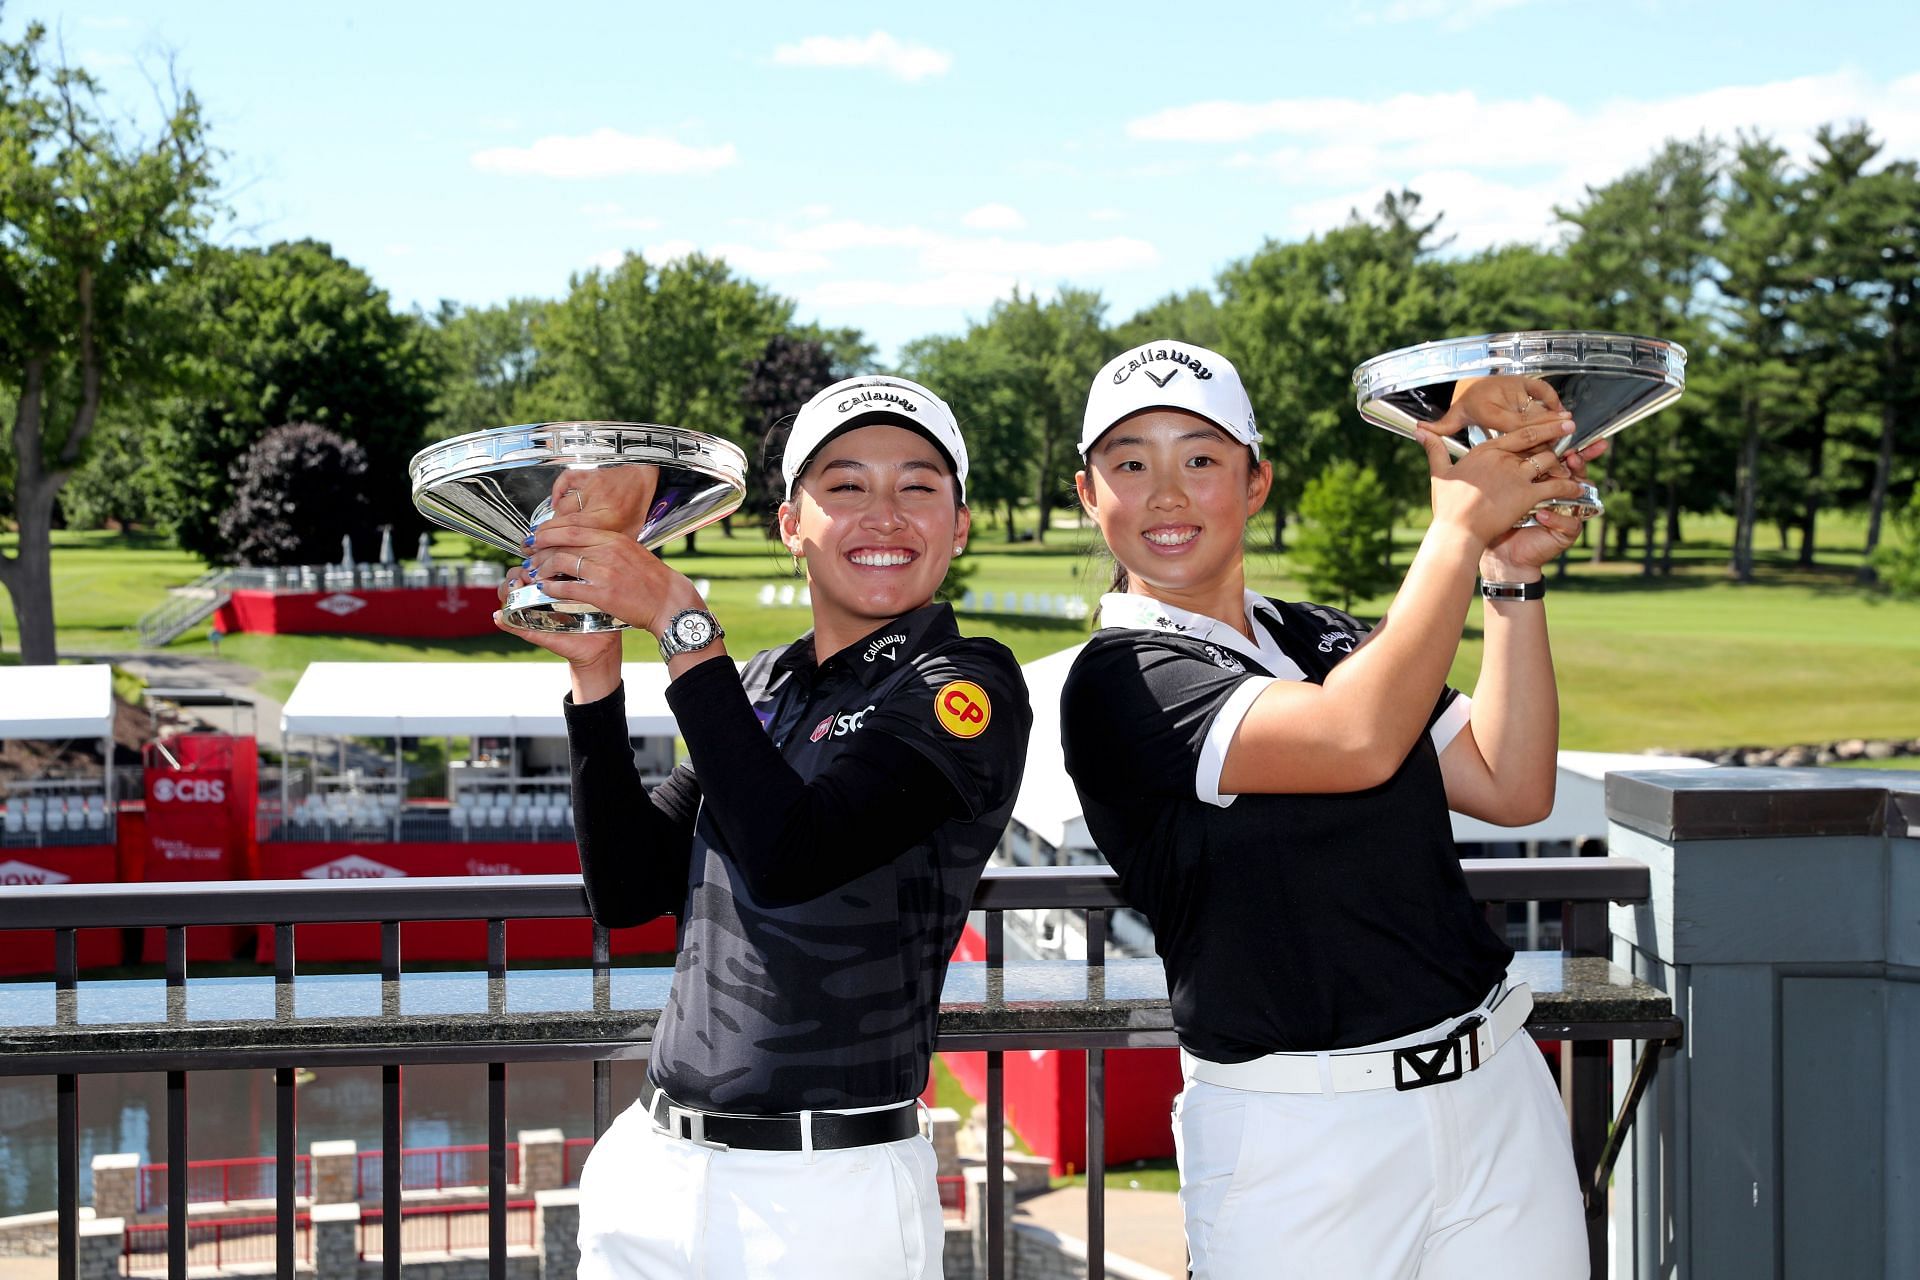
[1287, 922]
[827, 842]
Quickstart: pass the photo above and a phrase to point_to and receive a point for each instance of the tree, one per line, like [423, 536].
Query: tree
[489, 367]
[981, 379]
[1894, 288]
[292, 333]
[670, 345]
[1051, 351]
[1192, 317]
[1297, 318]
[1761, 257]
[1638, 262]
[788, 372]
[1345, 535]
[296, 493]
[92, 219]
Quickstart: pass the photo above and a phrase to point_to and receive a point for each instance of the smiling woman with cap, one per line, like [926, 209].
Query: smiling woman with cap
[1271, 780]
[820, 850]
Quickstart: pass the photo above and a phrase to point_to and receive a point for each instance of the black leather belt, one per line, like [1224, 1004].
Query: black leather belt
[832, 1130]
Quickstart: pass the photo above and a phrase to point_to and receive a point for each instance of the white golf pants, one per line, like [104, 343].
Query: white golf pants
[655, 1207]
[1469, 1180]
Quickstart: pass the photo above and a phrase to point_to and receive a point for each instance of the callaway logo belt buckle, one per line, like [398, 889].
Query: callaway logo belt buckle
[1439, 1061]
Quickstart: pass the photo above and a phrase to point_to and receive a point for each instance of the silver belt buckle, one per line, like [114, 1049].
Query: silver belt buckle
[696, 1127]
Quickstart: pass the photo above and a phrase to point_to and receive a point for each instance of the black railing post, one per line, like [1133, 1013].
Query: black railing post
[390, 1109]
[996, 1109]
[1096, 1105]
[176, 1112]
[66, 971]
[497, 1110]
[1592, 1099]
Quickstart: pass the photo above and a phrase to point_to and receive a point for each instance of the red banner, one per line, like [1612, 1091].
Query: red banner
[30, 951]
[425, 612]
[200, 808]
[443, 939]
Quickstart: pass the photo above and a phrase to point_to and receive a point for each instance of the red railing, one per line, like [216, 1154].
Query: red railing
[230, 1242]
[445, 1228]
[573, 1158]
[432, 1169]
[221, 1181]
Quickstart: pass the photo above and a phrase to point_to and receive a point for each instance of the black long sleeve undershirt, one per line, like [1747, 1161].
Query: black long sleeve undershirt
[791, 839]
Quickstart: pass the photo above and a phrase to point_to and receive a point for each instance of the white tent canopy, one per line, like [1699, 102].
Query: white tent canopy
[1047, 804]
[56, 702]
[1049, 807]
[436, 699]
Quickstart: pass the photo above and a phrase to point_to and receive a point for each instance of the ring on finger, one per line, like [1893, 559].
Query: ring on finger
[1539, 465]
[579, 562]
[578, 497]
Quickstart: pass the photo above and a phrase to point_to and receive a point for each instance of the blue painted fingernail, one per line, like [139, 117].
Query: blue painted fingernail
[526, 564]
[528, 542]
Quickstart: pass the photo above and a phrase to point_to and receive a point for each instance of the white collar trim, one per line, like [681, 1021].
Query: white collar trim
[1143, 613]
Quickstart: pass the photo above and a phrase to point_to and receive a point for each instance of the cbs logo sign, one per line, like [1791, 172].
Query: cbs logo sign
[191, 790]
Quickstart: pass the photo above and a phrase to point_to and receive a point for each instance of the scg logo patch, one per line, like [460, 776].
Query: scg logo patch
[962, 708]
[190, 790]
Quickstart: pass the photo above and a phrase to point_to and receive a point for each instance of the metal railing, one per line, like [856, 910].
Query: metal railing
[994, 1025]
[185, 606]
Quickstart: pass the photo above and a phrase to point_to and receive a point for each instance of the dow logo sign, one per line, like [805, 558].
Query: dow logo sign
[190, 790]
[15, 872]
[352, 867]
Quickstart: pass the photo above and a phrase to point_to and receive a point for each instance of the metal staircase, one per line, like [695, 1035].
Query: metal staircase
[185, 607]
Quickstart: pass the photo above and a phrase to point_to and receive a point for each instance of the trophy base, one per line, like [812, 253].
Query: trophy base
[1584, 507]
[532, 609]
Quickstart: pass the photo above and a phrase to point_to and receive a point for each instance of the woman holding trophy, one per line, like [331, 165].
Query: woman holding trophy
[1272, 781]
[820, 850]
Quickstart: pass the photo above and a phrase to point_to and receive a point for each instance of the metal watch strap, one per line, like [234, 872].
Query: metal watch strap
[1535, 590]
[670, 644]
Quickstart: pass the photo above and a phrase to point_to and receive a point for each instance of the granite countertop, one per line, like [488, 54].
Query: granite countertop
[555, 1013]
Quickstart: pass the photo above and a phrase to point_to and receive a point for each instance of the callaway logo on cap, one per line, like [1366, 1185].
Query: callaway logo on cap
[1169, 375]
[850, 403]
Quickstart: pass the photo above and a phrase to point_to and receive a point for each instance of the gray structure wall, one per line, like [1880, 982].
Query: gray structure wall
[1783, 1138]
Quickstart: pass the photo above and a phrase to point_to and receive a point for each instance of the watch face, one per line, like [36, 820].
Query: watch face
[693, 629]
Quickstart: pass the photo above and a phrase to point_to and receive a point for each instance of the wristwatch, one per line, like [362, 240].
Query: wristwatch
[689, 631]
[1535, 590]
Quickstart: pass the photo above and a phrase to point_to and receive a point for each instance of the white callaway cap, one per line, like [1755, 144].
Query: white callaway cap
[1170, 375]
[870, 401]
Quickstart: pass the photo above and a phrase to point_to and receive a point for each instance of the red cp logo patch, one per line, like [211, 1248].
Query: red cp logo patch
[962, 708]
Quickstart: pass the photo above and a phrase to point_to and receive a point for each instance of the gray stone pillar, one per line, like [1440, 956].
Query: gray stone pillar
[116, 1185]
[542, 1160]
[1783, 1138]
[558, 1212]
[978, 1180]
[335, 1172]
[336, 1241]
[102, 1241]
[943, 1124]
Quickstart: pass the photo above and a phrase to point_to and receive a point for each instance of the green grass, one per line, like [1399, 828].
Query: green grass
[1690, 661]
[1135, 1175]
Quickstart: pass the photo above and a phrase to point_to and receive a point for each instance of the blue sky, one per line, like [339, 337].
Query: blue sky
[899, 167]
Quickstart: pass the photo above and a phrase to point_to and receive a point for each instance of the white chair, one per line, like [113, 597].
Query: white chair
[786, 594]
[16, 820]
[35, 820]
[767, 593]
[56, 820]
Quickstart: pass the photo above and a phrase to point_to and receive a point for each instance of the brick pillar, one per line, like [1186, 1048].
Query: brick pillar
[116, 1185]
[978, 1180]
[102, 1241]
[542, 1160]
[943, 1125]
[336, 1239]
[335, 1172]
[559, 1213]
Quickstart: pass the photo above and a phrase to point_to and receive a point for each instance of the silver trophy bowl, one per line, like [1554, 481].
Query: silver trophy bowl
[1608, 381]
[500, 485]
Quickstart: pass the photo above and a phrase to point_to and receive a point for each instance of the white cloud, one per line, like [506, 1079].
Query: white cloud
[1481, 160]
[1104, 215]
[606, 259]
[994, 217]
[815, 212]
[106, 24]
[744, 258]
[831, 237]
[399, 249]
[1052, 261]
[955, 289]
[900, 59]
[604, 153]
